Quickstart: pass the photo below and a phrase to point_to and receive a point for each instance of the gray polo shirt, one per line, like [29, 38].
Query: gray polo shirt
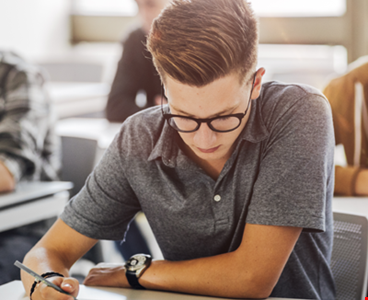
[280, 173]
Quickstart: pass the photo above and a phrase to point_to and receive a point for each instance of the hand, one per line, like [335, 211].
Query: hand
[44, 292]
[105, 274]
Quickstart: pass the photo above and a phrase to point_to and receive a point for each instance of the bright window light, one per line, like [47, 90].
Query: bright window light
[106, 7]
[299, 8]
[309, 64]
[263, 8]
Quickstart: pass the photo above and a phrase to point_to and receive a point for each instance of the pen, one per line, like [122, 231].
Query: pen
[40, 278]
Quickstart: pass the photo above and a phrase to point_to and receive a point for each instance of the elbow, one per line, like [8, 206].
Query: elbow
[11, 185]
[262, 294]
[255, 286]
[26, 257]
[7, 185]
[32, 253]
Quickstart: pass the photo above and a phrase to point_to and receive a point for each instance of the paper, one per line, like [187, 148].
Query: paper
[92, 293]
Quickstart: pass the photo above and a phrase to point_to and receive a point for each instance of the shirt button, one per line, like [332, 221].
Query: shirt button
[217, 198]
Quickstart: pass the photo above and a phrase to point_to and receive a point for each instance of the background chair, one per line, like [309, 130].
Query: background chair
[349, 256]
[78, 160]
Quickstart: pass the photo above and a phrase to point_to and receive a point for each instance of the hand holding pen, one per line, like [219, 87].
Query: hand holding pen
[61, 288]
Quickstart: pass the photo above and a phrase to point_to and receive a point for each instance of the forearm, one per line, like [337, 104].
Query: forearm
[220, 276]
[251, 271]
[42, 260]
[56, 252]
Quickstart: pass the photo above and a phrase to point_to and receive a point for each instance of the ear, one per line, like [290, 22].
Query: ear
[258, 83]
[164, 91]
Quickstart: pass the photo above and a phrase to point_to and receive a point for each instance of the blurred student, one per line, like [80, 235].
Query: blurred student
[136, 86]
[348, 95]
[29, 149]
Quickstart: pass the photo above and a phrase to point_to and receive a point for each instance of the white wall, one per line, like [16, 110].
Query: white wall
[36, 29]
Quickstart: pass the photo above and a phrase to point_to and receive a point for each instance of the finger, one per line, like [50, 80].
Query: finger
[45, 292]
[69, 285]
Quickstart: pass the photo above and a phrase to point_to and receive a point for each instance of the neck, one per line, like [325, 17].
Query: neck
[213, 168]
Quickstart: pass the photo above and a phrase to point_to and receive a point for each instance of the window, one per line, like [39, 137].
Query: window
[309, 64]
[263, 8]
[299, 8]
[105, 7]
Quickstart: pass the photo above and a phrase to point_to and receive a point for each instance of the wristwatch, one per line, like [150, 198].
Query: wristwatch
[134, 268]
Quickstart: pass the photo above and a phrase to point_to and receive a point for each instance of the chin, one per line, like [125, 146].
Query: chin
[210, 156]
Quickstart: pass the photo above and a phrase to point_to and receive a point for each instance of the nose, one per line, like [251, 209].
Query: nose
[204, 137]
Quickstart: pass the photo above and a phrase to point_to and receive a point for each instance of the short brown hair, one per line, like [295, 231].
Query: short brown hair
[199, 41]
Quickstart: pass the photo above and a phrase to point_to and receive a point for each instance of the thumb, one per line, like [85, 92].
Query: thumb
[70, 285]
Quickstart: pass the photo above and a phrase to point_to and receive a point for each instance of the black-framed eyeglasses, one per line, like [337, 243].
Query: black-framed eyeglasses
[224, 123]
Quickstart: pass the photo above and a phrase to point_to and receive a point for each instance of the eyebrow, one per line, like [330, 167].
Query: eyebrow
[223, 112]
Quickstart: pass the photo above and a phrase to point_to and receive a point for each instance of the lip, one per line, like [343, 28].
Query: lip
[210, 150]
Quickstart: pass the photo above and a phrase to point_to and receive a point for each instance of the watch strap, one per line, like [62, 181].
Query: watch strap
[133, 280]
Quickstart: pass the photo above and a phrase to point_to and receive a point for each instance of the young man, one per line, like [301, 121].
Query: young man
[235, 178]
[29, 149]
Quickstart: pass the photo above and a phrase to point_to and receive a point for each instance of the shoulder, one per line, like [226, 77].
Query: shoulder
[279, 98]
[141, 131]
[18, 70]
[11, 59]
[148, 120]
[278, 91]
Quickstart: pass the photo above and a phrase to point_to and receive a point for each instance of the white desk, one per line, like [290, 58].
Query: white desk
[32, 202]
[351, 205]
[76, 98]
[91, 128]
[15, 291]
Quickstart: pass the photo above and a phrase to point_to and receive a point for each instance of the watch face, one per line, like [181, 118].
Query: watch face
[136, 262]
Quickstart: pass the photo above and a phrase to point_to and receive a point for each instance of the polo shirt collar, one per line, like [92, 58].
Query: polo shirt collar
[167, 144]
[255, 131]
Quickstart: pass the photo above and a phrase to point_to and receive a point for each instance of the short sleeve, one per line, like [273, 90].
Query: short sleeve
[296, 172]
[106, 204]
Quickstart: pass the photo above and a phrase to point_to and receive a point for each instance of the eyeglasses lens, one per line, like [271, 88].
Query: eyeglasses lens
[225, 124]
[218, 124]
[183, 124]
